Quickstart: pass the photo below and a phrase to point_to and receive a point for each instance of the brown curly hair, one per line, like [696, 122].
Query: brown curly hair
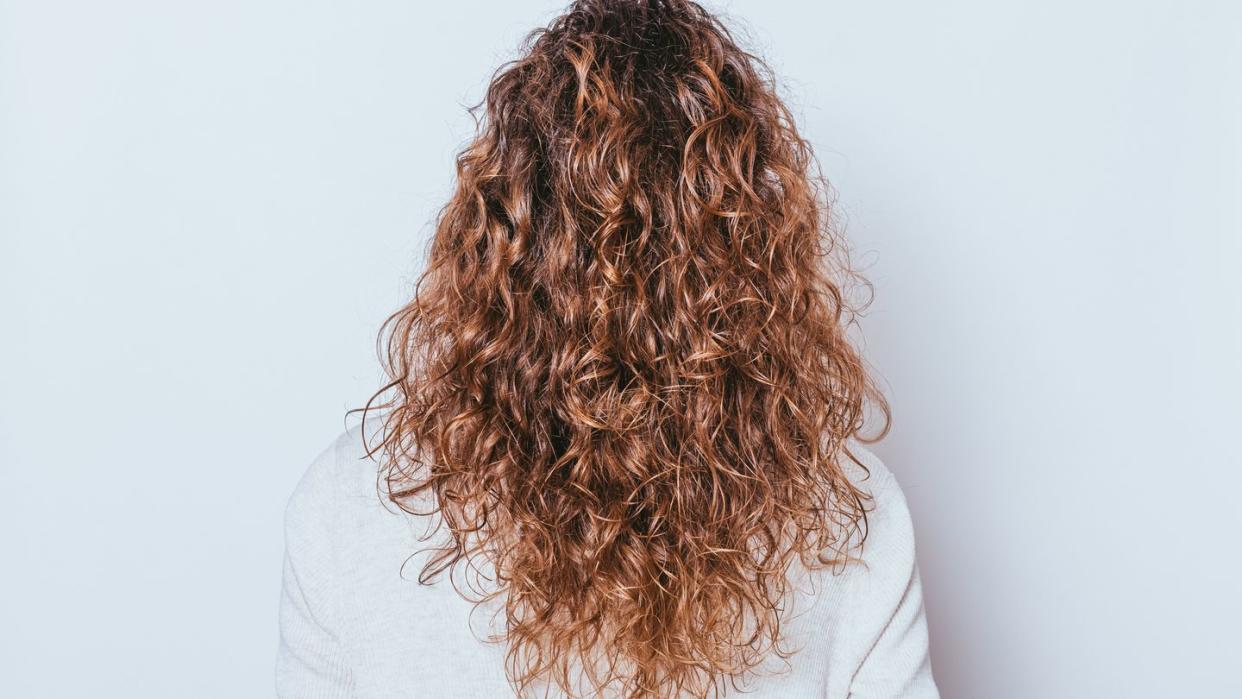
[624, 385]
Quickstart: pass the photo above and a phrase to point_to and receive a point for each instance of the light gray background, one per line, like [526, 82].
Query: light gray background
[206, 210]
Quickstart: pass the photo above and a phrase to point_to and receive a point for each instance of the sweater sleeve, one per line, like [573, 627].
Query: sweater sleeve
[311, 661]
[898, 663]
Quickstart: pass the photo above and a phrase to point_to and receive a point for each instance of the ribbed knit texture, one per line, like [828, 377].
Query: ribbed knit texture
[355, 622]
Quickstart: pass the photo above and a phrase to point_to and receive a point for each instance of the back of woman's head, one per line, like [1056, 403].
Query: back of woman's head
[624, 382]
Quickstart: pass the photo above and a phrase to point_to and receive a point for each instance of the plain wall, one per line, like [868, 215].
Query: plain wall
[207, 209]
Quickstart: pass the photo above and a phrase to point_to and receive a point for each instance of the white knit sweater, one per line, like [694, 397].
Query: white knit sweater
[355, 623]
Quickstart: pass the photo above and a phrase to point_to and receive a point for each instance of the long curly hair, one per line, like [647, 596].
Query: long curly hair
[624, 385]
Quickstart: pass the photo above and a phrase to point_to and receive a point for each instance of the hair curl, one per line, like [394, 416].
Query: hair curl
[624, 381]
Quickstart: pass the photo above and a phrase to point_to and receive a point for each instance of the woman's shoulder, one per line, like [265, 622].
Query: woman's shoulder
[882, 545]
[864, 468]
[344, 476]
[886, 619]
[889, 528]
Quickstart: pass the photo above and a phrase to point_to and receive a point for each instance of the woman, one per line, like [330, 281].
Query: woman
[620, 451]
